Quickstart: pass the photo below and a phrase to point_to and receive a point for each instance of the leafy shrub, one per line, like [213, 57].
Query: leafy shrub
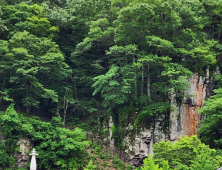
[188, 152]
[130, 167]
[90, 166]
[149, 164]
[101, 155]
[5, 158]
[92, 157]
[97, 149]
[202, 162]
[118, 163]
[58, 148]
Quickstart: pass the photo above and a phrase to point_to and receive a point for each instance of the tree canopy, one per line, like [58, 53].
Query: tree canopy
[100, 59]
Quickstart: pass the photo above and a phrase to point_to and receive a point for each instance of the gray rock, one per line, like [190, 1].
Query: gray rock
[184, 119]
[22, 156]
[137, 160]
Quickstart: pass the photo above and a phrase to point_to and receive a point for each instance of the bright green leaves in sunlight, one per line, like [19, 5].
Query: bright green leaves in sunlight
[103, 58]
[22, 17]
[153, 59]
[202, 162]
[177, 76]
[58, 148]
[200, 54]
[39, 26]
[99, 34]
[160, 45]
[30, 61]
[122, 54]
[113, 90]
[134, 23]
[187, 153]
[149, 164]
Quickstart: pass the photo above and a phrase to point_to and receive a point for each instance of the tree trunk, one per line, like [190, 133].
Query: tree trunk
[142, 79]
[27, 109]
[57, 109]
[28, 93]
[82, 90]
[148, 80]
[2, 89]
[75, 91]
[66, 103]
[213, 32]
[219, 35]
[135, 77]
[65, 107]
[114, 37]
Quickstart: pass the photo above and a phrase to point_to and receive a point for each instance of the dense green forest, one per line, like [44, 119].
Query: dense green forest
[78, 63]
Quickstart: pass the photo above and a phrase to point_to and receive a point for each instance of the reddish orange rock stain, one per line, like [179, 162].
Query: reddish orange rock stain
[199, 104]
[191, 118]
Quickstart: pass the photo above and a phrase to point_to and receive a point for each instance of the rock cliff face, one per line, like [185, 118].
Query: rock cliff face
[184, 119]
[22, 156]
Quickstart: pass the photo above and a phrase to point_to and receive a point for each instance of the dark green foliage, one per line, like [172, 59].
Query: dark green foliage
[5, 154]
[210, 129]
[106, 48]
[152, 109]
[92, 60]
[118, 164]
